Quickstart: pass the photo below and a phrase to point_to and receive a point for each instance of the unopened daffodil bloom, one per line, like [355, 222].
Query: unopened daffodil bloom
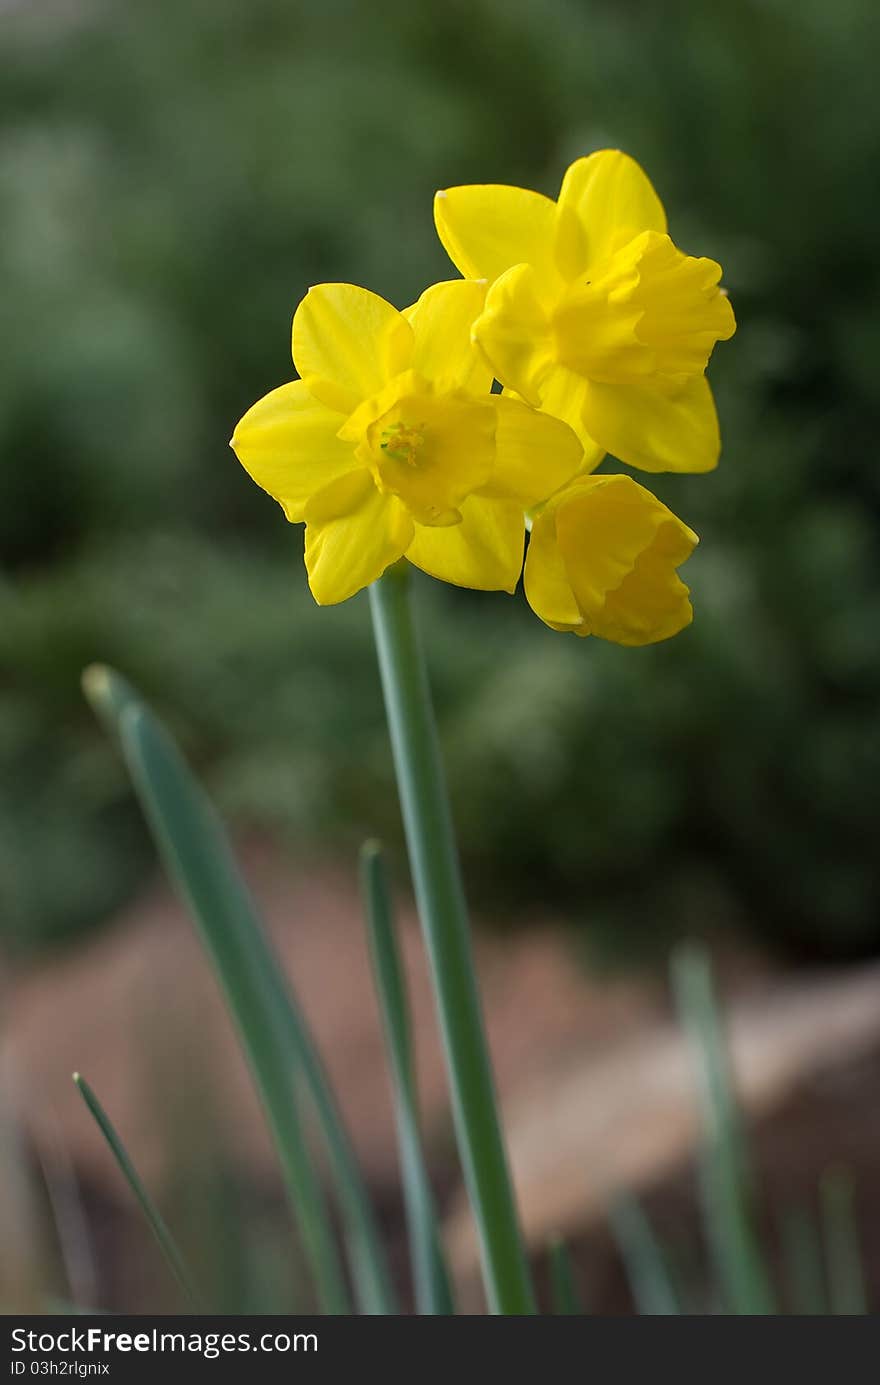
[602, 561]
[593, 314]
[391, 444]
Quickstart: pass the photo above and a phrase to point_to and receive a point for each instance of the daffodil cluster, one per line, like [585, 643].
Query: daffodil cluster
[393, 443]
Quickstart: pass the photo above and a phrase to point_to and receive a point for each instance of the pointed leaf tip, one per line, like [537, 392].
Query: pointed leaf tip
[95, 680]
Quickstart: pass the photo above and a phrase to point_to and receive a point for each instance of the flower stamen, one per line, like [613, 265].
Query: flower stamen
[403, 442]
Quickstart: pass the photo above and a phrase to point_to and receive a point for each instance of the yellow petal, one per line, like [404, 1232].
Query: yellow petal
[546, 583]
[484, 551]
[347, 553]
[662, 426]
[514, 332]
[620, 549]
[408, 384]
[613, 199]
[441, 321]
[347, 344]
[287, 442]
[534, 454]
[488, 228]
[342, 497]
[563, 394]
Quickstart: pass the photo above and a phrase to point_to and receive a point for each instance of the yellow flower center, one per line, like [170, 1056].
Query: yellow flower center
[648, 309]
[429, 448]
[403, 442]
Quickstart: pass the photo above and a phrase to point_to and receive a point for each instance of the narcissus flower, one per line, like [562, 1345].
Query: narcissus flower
[593, 314]
[391, 444]
[602, 561]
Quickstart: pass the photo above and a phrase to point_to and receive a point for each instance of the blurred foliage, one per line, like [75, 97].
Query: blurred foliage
[173, 175]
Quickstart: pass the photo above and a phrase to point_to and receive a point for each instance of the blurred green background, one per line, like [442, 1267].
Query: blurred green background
[173, 176]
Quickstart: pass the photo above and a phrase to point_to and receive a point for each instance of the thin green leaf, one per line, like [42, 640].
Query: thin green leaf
[64, 1308]
[727, 1196]
[649, 1277]
[167, 1244]
[69, 1215]
[190, 843]
[802, 1257]
[433, 1290]
[108, 694]
[274, 1034]
[846, 1277]
[563, 1289]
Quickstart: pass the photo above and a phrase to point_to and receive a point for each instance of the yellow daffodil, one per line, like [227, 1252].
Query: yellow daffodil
[391, 444]
[592, 313]
[602, 561]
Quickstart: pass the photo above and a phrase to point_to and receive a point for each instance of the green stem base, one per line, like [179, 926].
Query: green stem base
[440, 898]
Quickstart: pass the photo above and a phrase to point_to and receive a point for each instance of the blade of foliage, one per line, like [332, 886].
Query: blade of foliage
[155, 1220]
[109, 695]
[69, 1216]
[274, 1035]
[64, 1308]
[563, 1290]
[191, 847]
[431, 1276]
[802, 1257]
[649, 1277]
[846, 1278]
[727, 1196]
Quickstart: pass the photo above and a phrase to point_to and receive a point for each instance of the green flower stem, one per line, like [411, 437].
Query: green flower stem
[440, 897]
